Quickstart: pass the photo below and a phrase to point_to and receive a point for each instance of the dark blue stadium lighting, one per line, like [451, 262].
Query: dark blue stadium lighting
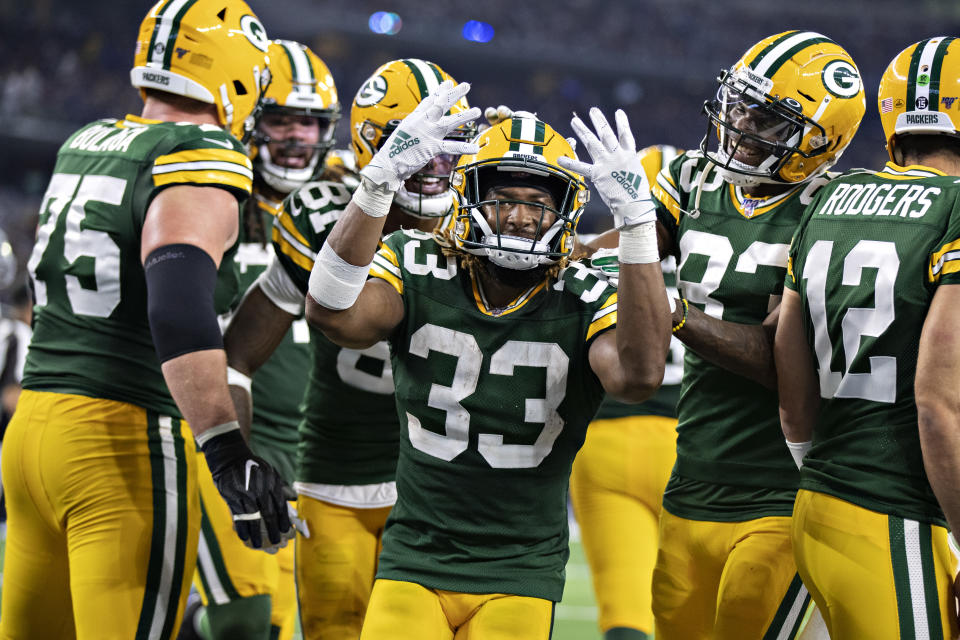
[477, 31]
[385, 22]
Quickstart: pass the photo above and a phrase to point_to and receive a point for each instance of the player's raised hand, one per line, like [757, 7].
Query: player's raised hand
[616, 171]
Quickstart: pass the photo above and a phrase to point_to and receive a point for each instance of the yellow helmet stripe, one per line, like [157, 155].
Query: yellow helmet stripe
[427, 76]
[165, 32]
[923, 80]
[304, 76]
[769, 61]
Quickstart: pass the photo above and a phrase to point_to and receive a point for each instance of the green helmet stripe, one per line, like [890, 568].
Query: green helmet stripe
[912, 74]
[165, 31]
[539, 134]
[935, 70]
[304, 75]
[753, 63]
[779, 55]
[516, 133]
[436, 71]
[427, 78]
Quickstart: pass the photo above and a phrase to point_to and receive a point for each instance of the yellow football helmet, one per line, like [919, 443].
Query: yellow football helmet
[919, 91]
[520, 151]
[386, 98]
[785, 111]
[300, 85]
[214, 51]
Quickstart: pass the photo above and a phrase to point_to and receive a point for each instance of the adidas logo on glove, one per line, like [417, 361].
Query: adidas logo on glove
[629, 181]
[402, 143]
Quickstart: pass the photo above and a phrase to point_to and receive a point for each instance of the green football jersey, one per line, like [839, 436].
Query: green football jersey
[91, 334]
[866, 261]
[493, 406]
[664, 402]
[732, 462]
[349, 434]
[279, 384]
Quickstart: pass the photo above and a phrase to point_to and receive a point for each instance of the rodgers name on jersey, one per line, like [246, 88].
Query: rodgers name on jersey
[349, 434]
[731, 264]
[91, 334]
[855, 261]
[494, 405]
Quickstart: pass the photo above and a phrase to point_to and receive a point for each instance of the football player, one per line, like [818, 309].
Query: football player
[248, 593]
[134, 256]
[501, 353]
[618, 477]
[874, 269]
[782, 116]
[349, 434]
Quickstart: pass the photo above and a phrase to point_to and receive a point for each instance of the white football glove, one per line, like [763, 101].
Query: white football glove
[496, 115]
[616, 172]
[420, 137]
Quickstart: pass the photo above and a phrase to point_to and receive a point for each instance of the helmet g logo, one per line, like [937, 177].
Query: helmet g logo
[841, 79]
[372, 92]
[254, 32]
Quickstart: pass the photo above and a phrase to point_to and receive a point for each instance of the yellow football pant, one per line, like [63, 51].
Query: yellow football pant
[228, 570]
[726, 580]
[874, 575]
[408, 611]
[335, 567]
[103, 517]
[617, 488]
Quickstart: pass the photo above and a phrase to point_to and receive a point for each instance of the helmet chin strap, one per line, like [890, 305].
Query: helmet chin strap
[517, 253]
[285, 179]
[423, 206]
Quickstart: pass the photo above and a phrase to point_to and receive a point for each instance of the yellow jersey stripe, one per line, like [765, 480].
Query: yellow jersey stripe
[289, 250]
[944, 259]
[207, 177]
[284, 220]
[376, 271]
[206, 155]
[389, 255]
[667, 200]
[602, 323]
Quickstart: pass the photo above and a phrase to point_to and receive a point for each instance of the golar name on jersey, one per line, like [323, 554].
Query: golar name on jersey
[106, 138]
[901, 200]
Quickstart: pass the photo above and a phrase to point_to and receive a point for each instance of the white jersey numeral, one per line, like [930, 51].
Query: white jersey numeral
[79, 243]
[455, 439]
[880, 385]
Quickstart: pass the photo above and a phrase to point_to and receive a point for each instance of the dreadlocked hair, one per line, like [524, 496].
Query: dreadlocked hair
[472, 263]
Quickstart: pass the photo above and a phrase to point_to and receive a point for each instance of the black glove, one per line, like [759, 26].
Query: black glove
[252, 489]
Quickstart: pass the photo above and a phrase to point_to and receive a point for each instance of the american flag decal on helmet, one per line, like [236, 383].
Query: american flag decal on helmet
[886, 105]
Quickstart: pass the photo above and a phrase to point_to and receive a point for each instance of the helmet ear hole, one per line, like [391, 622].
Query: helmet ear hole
[239, 88]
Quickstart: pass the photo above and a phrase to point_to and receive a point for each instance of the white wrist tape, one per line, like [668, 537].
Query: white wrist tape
[218, 430]
[335, 283]
[638, 244]
[798, 450]
[238, 379]
[373, 200]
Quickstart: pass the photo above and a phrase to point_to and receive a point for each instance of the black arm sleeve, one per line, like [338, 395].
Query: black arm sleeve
[181, 279]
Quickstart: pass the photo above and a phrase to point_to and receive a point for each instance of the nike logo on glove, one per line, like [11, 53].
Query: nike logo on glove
[250, 465]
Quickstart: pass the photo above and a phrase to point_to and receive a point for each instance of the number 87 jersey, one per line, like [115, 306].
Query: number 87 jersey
[866, 261]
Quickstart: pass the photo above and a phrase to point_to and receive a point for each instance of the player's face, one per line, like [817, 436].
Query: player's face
[524, 212]
[745, 115]
[289, 137]
[434, 178]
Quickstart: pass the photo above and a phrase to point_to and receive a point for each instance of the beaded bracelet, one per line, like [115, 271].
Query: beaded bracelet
[683, 320]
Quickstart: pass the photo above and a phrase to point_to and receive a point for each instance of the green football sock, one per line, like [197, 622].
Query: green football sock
[243, 619]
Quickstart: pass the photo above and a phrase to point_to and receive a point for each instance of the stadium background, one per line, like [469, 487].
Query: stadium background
[65, 63]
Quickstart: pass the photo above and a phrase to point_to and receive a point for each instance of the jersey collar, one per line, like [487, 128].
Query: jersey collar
[487, 309]
[749, 207]
[910, 172]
